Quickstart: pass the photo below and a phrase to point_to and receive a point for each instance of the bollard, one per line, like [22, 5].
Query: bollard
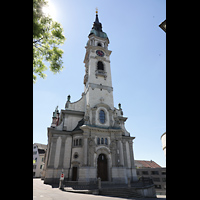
[99, 183]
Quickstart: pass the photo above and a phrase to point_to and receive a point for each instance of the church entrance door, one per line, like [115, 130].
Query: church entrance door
[74, 173]
[102, 167]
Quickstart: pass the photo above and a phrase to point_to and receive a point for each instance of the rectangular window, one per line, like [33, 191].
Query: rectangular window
[145, 172]
[154, 173]
[156, 179]
[157, 186]
[40, 166]
[164, 179]
[163, 172]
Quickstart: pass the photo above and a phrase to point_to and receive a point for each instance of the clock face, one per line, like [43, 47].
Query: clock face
[100, 53]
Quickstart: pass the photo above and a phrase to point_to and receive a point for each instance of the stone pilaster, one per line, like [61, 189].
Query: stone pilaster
[52, 152]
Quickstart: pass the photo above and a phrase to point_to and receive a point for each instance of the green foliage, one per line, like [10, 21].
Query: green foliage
[47, 35]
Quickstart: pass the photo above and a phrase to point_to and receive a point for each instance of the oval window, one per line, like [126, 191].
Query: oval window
[102, 116]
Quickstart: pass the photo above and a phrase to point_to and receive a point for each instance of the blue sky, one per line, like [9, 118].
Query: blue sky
[138, 67]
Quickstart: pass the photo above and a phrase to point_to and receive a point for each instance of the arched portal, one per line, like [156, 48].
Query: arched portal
[102, 167]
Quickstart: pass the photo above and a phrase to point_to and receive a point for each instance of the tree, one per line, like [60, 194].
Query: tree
[47, 35]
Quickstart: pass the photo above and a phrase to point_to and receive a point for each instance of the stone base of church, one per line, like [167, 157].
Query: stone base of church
[52, 176]
[87, 174]
[119, 175]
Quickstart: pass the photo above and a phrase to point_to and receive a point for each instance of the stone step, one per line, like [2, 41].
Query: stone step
[120, 192]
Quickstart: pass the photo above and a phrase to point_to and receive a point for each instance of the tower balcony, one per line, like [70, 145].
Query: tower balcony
[101, 73]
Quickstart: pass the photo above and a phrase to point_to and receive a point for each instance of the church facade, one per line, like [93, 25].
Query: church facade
[88, 138]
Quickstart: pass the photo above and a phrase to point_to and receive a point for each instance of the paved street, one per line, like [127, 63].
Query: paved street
[46, 192]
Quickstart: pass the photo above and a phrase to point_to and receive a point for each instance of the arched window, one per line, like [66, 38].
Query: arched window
[102, 116]
[100, 65]
[99, 44]
[102, 141]
[106, 141]
[98, 140]
[80, 142]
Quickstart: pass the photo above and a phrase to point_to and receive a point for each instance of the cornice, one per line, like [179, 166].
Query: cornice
[93, 86]
[100, 129]
[73, 112]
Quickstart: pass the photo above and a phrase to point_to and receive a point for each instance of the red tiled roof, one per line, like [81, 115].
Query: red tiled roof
[147, 164]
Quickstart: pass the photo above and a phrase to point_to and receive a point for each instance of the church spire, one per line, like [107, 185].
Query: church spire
[97, 28]
[97, 19]
[97, 25]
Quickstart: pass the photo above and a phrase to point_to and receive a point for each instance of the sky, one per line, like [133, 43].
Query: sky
[138, 67]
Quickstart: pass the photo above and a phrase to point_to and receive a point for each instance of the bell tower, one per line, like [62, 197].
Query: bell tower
[97, 79]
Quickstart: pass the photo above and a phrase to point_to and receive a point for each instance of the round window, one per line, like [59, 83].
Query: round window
[76, 155]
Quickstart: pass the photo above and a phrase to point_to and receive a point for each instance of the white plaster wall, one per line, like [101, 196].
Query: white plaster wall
[78, 105]
[94, 96]
[71, 121]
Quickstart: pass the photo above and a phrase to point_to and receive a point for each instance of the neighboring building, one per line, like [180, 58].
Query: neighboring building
[156, 172]
[88, 138]
[163, 140]
[38, 158]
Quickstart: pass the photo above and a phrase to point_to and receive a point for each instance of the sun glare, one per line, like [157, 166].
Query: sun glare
[49, 10]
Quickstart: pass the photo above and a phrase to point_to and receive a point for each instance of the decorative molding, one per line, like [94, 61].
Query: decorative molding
[100, 129]
[93, 86]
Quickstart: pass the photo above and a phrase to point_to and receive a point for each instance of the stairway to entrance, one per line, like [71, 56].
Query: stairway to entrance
[120, 192]
[141, 188]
